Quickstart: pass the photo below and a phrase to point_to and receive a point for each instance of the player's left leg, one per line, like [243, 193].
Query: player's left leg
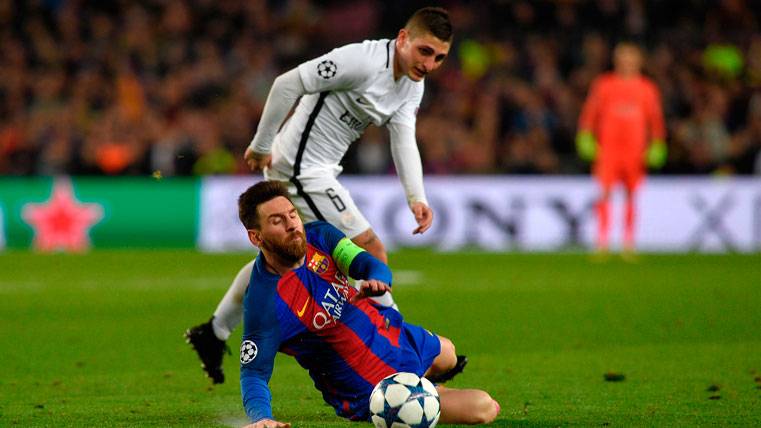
[466, 406]
[229, 312]
[446, 359]
[208, 339]
[447, 364]
[370, 242]
[462, 406]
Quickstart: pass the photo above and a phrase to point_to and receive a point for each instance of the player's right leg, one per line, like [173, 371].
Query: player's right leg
[606, 176]
[372, 244]
[466, 406]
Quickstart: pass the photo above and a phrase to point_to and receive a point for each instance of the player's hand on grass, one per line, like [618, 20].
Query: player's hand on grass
[268, 423]
[257, 161]
[423, 216]
[586, 146]
[370, 288]
[656, 154]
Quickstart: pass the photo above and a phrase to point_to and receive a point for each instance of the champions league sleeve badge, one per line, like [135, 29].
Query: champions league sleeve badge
[327, 69]
[248, 351]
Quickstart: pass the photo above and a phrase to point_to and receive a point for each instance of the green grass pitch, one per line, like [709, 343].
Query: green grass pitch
[96, 339]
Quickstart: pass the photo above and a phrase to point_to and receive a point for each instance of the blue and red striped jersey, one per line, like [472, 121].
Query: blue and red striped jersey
[346, 347]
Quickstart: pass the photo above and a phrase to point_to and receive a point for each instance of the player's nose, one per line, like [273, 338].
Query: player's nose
[292, 224]
[429, 65]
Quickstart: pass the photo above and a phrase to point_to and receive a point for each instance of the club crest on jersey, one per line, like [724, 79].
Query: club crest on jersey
[327, 69]
[318, 263]
[248, 351]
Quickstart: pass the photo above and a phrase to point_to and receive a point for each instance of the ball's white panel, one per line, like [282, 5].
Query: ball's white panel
[410, 379]
[435, 421]
[397, 394]
[411, 412]
[431, 407]
[379, 422]
[388, 377]
[399, 425]
[377, 401]
[428, 386]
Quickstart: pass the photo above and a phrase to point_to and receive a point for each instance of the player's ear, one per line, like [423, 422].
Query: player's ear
[255, 236]
[403, 35]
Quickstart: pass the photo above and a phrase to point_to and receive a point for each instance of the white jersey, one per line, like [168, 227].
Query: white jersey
[347, 89]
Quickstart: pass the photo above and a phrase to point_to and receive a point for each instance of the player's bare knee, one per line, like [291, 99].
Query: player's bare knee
[448, 356]
[485, 409]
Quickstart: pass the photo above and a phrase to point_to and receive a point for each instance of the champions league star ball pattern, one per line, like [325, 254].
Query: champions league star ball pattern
[404, 400]
[327, 69]
[248, 351]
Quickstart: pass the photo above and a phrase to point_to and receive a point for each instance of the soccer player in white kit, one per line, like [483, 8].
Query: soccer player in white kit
[341, 93]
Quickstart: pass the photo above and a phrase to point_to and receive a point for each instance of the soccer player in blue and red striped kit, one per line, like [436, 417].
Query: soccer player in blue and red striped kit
[299, 302]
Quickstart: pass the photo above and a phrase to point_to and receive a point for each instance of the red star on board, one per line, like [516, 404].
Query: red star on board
[62, 222]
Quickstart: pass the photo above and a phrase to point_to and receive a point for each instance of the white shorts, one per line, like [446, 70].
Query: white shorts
[324, 198]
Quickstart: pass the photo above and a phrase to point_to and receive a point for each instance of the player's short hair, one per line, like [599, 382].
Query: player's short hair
[259, 193]
[628, 44]
[434, 20]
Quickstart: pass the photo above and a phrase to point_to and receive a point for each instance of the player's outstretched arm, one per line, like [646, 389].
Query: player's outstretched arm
[268, 423]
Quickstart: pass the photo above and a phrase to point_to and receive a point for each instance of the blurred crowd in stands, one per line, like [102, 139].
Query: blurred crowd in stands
[176, 87]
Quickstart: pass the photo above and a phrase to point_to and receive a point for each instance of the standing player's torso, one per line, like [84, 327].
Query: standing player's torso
[624, 107]
[325, 124]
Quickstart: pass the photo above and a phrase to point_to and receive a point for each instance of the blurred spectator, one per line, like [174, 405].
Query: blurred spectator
[115, 88]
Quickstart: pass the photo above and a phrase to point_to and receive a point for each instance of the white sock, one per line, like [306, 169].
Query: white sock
[387, 300]
[229, 312]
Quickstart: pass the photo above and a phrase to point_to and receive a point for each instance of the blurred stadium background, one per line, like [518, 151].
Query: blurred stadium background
[122, 129]
[133, 87]
[175, 89]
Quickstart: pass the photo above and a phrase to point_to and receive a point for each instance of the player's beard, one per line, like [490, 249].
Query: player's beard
[289, 250]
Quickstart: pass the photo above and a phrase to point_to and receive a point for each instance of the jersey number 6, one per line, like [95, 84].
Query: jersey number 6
[337, 202]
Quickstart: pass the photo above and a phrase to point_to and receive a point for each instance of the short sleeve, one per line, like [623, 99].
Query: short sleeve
[342, 68]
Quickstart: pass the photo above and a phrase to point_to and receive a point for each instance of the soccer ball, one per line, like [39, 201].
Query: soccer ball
[404, 400]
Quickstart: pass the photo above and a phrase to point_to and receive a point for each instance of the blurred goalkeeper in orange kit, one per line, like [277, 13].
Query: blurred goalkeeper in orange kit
[621, 130]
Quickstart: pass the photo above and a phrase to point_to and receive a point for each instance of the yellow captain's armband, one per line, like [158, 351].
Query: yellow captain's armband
[344, 254]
